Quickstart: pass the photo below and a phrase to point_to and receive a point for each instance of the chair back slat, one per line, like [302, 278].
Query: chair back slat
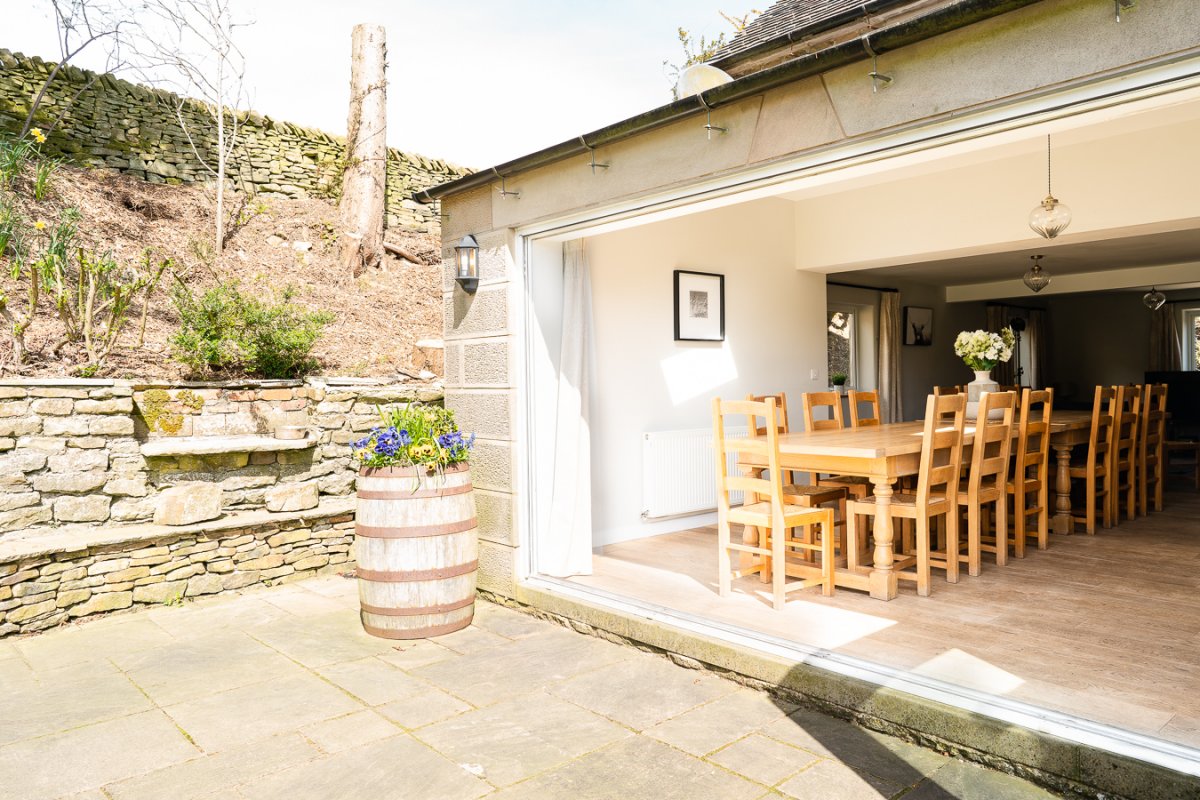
[1154, 415]
[1100, 435]
[857, 401]
[992, 443]
[1129, 407]
[1033, 435]
[941, 447]
[831, 400]
[757, 426]
[767, 486]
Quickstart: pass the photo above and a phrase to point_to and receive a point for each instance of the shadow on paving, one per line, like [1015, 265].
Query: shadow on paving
[863, 764]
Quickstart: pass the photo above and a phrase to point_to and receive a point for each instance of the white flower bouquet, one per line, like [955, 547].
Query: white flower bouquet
[983, 350]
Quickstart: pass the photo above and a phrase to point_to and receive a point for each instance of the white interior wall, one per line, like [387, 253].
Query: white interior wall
[646, 381]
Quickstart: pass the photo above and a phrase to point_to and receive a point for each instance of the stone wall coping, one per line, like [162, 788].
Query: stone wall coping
[249, 383]
[212, 445]
[77, 538]
[58, 382]
[94, 383]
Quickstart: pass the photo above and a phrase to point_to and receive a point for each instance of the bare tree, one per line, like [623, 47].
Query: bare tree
[79, 24]
[364, 183]
[188, 46]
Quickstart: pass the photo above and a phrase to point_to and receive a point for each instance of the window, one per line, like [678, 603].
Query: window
[1191, 338]
[843, 326]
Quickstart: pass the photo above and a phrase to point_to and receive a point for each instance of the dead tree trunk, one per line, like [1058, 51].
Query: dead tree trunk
[365, 180]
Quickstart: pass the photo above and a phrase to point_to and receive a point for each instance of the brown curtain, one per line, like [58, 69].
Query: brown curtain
[997, 320]
[1166, 345]
[1037, 334]
[891, 336]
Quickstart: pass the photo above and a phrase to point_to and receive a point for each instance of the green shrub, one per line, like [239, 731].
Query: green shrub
[224, 331]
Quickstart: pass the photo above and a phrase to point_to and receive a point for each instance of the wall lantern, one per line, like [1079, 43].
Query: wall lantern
[467, 254]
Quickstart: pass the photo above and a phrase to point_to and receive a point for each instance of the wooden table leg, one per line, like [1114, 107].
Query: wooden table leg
[1062, 487]
[883, 577]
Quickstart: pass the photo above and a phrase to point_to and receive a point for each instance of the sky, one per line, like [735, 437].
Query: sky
[474, 82]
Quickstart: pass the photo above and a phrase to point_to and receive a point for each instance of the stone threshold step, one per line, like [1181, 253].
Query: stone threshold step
[213, 445]
[77, 538]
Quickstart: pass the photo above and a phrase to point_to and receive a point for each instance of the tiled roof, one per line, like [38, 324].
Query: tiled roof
[790, 17]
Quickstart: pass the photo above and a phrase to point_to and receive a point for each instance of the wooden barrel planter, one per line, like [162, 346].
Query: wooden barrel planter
[417, 549]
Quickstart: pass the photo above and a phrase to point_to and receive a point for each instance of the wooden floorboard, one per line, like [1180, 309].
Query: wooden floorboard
[1106, 627]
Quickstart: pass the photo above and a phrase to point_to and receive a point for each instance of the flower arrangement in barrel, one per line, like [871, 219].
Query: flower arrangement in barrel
[416, 435]
[983, 350]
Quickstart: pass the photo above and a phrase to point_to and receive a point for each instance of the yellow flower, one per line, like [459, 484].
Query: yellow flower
[37, 135]
[40, 225]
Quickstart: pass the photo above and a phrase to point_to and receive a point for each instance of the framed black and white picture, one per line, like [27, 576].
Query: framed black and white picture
[699, 306]
[918, 326]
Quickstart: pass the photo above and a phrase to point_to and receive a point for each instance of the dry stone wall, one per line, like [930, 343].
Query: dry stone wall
[72, 451]
[45, 590]
[133, 129]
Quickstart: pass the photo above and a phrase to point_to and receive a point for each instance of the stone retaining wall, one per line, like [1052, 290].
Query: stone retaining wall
[133, 129]
[71, 450]
[43, 590]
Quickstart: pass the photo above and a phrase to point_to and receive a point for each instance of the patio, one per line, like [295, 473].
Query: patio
[278, 694]
[1102, 627]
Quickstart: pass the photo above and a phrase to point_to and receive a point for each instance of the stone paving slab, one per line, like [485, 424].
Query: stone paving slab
[519, 738]
[643, 691]
[206, 775]
[90, 757]
[279, 694]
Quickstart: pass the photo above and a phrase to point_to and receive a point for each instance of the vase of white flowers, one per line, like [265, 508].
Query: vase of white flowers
[982, 351]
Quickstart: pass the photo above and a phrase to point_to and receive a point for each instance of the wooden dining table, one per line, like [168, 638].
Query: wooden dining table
[884, 454]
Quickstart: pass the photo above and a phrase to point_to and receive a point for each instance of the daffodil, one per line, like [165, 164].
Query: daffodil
[37, 135]
[40, 224]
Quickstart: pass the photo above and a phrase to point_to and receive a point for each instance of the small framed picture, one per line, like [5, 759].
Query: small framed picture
[918, 326]
[699, 306]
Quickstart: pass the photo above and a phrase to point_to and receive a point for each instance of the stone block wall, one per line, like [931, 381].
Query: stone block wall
[44, 590]
[133, 129]
[481, 379]
[71, 450]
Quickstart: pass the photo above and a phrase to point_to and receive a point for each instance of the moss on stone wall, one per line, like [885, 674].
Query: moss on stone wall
[133, 129]
[157, 414]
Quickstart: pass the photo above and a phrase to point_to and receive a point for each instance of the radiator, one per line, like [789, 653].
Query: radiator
[679, 473]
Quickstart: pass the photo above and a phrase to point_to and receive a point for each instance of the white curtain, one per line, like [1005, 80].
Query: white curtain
[1166, 346]
[566, 546]
[891, 336]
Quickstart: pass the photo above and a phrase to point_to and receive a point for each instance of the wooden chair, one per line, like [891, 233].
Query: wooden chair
[857, 400]
[942, 391]
[936, 496]
[811, 401]
[1125, 441]
[1031, 470]
[1151, 443]
[766, 508]
[986, 479]
[1010, 387]
[805, 495]
[1096, 470]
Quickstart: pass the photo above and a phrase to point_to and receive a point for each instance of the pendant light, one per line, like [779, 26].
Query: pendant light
[1050, 217]
[1037, 278]
[1154, 299]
